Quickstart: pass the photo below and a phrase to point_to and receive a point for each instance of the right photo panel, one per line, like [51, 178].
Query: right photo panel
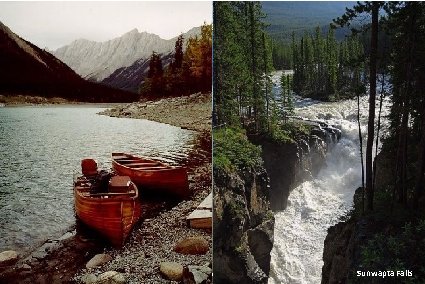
[319, 142]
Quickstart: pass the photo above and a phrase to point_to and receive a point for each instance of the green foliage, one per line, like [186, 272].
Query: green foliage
[233, 151]
[154, 81]
[282, 55]
[286, 82]
[236, 209]
[280, 136]
[287, 133]
[242, 82]
[400, 250]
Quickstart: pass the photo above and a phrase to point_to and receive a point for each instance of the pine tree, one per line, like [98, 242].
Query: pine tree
[332, 62]
[231, 71]
[153, 85]
[242, 64]
[406, 26]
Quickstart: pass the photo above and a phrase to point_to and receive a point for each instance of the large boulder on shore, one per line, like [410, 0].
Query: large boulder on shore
[171, 270]
[98, 260]
[192, 245]
[8, 257]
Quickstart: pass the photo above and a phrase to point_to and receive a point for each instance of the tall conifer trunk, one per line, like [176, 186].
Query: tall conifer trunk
[372, 98]
[254, 64]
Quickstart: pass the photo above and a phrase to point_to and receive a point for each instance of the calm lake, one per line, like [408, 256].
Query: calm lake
[42, 147]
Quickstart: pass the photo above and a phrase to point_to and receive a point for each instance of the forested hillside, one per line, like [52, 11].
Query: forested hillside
[285, 18]
[190, 70]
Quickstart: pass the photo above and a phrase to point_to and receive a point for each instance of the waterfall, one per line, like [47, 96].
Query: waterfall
[317, 204]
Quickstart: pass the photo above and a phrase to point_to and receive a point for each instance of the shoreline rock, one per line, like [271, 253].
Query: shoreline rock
[98, 260]
[192, 245]
[171, 270]
[8, 257]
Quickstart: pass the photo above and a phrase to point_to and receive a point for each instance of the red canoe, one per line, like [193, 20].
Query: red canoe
[112, 211]
[151, 175]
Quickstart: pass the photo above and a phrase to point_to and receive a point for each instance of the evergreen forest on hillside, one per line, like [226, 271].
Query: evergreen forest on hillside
[190, 70]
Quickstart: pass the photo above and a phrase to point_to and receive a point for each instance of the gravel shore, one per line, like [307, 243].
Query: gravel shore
[190, 112]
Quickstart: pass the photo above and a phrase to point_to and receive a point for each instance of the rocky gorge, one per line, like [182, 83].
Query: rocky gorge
[244, 201]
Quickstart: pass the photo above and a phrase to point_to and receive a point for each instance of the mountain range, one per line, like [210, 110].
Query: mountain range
[121, 62]
[27, 69]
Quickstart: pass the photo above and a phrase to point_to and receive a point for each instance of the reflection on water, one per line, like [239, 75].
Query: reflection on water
[41, 148]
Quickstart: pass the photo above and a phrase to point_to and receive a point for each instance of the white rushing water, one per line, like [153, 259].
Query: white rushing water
[317, 204]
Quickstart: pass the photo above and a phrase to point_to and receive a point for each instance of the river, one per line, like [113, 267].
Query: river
[317, 204]
[42, 147]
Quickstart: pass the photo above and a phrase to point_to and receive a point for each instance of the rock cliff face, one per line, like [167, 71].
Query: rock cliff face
[242, 213]
[289, 164]
[338, 252]
[283, 167]
[97, 60]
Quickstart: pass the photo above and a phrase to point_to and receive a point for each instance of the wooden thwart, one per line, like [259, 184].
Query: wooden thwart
[201, 217]
[131, 165]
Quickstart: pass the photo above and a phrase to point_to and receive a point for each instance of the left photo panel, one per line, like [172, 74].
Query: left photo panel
[105, 141]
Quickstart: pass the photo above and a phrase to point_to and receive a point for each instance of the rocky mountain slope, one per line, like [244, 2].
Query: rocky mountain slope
[27, 69]
[129, 78]
[98, 60]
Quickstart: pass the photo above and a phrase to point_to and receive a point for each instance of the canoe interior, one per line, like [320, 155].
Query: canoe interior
[111, 211]
[153, 176]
